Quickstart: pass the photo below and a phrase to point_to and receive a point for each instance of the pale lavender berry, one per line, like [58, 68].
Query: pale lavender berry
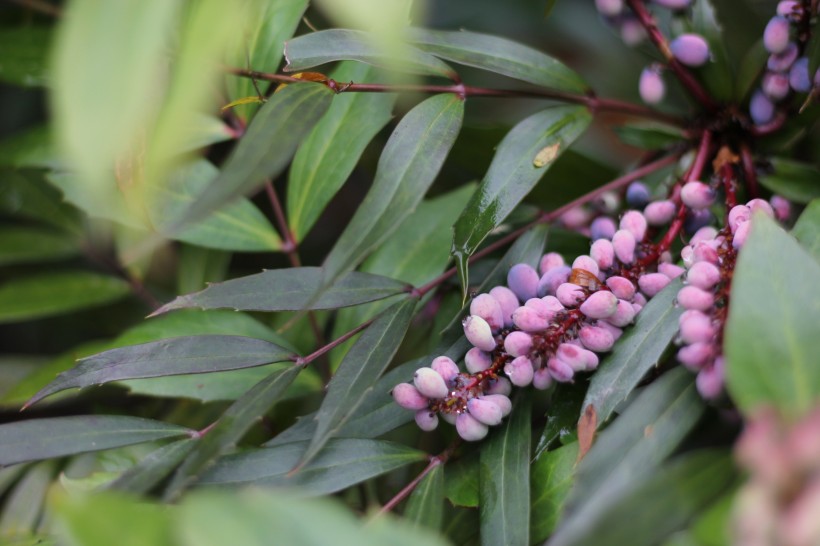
[674, 4]
[621, 287]
[652, 283]
[737, 215]
[696, 327]
[785, 8]
[692, 297]
[445, 367]
[624, 244]
[697, 195]
[783, 61]
[690, 49]
[637, 195]
[552, 279]
[430, 383]
[503, 403]
[600, 305]
[775, 85]
[576, 218]
[552, 305]
[799, 75]
[478, 333]
[706, 235]
[484, 411]
[651, 86]
[632, 31]
[518, 343]
[603, 253]
[508, 301]
[499, 385]
[696, 355]
[523, 280]
[470, 428]
[624, 314]
[710, 380]
[781, 206]
[696, 219]
[704, 253]
[587, 263]
[741, 234]
[541, 379]
[519, 371]
[659, 213]
[591, 360]
[550, 261]
[614, 331]
[602, 227]
[671, 270]
[596, 339]
[776, 34]
[761, 108]
[639, 298]
[488, 308]
[409, 397]
[570, 294]
[634, 222]
[426, 420]
[762, 206]
[528, 319]
[477, 360]
[704, 275]
[560, 370]
[610, 8]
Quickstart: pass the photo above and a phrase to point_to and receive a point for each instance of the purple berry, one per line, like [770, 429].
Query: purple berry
[575, 218]
[692, 297]
[518, 343]
[696, 219]
[530, 320]
[632, 31]
[591, 360]
[775, 85]
[499, 385]
[624, 244]
[503, 403]
[785, 8]
[508, 302]
[523, 280]
[550, 261]
[671, 270]
[449, 418]
[799, 75]
[783, 61]
[560, 370]
[445, 367]
[570, 294]
[430, 383]
[610, 8]
[761, 108]
[621, 287]
[541, 379]
[652, 283]
[624, 314]
[602, 227]
[426, 420]
[470, 428]
[637, 195]
[552, 279]
[659, 213]
[408, 397]
[696, 327]
[519, 371]
[612, 329]
[586, 263]
[674, 4]
[697, 195]
[488, 308]
[776, 34]
[634, 222]
[484, 411]
[704, 253]
[704, 275]
[552, 305]
[696, 355]
[690, 49]
[603, 253]
[781, 206]
[596, 339]
[478, 333]
[741, 234]
[651, 86]
[710, 380]
[477, 360]
[600, 305]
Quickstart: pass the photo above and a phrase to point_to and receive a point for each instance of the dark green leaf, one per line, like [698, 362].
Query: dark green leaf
[771, 339]
[198, 266]
[288, 290]
[504, 480]
[461, 481]
[27, 194]
[153, 468]
[343, 462]
[25, 55]
[636, 352]
[751, 66]
[649, 136]
[813, 51]
[807, 229]
[327, 156]
[48, 294]
[24, 504]
[25, 245]
[562, 416]
[175, 356]
[111, 206]
[798, 182]
[58, 436]
[522, 158]
[717, 75]
[572, 175]
[336, 44]
[425, 507]
[409, 163]
[550, 482]
[30, 148]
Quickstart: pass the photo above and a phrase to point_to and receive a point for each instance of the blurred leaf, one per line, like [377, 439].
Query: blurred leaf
[498, 55]
[25, 51]
[201, 131]
[27, 194]
[259, 47]
[198, 266]
[562, 416]
[461, 483]
[504, 480]
[717, 75]
[771, 321]
[288, 290]
[513, 174]
[359, 372]
[649, 136]
[813, 51]
[48, 294]
[175, 356]
[328, 155]
[635, 353]
[425, 507]
[109, 206]
[798, 182]
[153, 468]
[25, 245]
[807, 229]
[751, 66]
[58, 436]
[24, 503]
[342, 463]
[337, 44]
[30, 148]
[409, 163]
[551, 479]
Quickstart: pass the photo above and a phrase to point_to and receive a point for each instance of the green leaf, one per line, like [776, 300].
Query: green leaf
[461, 483]
[284, 119]
[153, 468]
[25, 55]
[635, 353]
[798, 182]
[175, 356]
[717, 75]
[750, 68]
[807, 229]
[288, 290]
[24, 503]
[114, 207]
[537, 140]
[198, 266]
[409, 163]
[20, 245]
[202, 131]
[27, 194]
[562, 417]
[59, 436]
[30, 148]
[342, 463]
[337, 44]
[649, 136]
[813, 51]
[504, 480]
[771, 341]
[498, 55]
[551, 479]
[49, 294]
[359, 372]
[327, 156]
[425, 507]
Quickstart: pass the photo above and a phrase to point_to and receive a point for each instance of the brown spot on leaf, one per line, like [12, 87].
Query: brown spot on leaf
[586, 431]
[546, 155]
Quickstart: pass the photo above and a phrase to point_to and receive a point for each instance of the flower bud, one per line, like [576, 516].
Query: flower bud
[518, 343]
[703, 252]
[499, 385]
[651, 86]
[639, 299]
[426, 420]
[500, 400]
[737, 215]
[692, 297]
[799, 75]
[488, 308]
[470, 428]
[523, 280]
[623, 316]
[781, 206]
[600, 305]
[782, 62]
[706, 235]
[637, 195]
[775, 85]
[519, 371]
[570, 294]
[762, 206]
[741, 234]
[621, 287]
[652, 283]
[596, 339]
[445, 367]
[659, 213]
[478, 333]
[776, 34]
[761, 109]
[484, 411]
[552, 305]
[603, 253]
[613, 330]
[697, 195]
[586, 263]
[408, 397]
[560, 370]
[786, 8]
[572, 355]
[703, 275]
[624, 244]
[477, 360]
[604, 227]
[549, 261]
[430, 383]
[590, 360]
[530, 320]
[552, 279]
[634, 222]
[696, 355]
[508, 302]
[671, 270]
[541, 379]
[710, 380]
[690, 49]
[696, 327]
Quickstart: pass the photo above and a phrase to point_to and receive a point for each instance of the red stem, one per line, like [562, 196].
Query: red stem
[749, 172]
[305, 360]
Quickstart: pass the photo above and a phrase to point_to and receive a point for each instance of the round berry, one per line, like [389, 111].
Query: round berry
[786, 8]
[478, 333]
[704, 275]
[523, 280]
[485, 411]
[518, 343]
[659, 213]
[503, 403]
[634, 222]
[596, 339]
[776, 34]
[477, 360]
[549, 261]
[445, 367]
[560, 370]
[470, 428]
[637, 195]
[602, 227]
[508, 302]
[781, 206]
[652, 283]
[697, 195]
[586, 263]
[624, 314]
[671, 270]
[612, 329]
[499, 385]
[632, 31]
[541, 379]
[552, 279]
[488, 308]
[775, 85]
[408, 397]
[603, 253]
[426, 420]
[737, 215]
[762, 206]
[696, 219]
[761, 108]
[692, 297]
[610, 8]
[519, 371]
[799, 75]
[674, 4]
[621, 287]
[529, 320]
[741, 234]
[690, 49]
[710, 381]
[705, 234]
[600, 305]
[781, 62]
[651, 86]
[430, 383]
[570, 294]
[696, 355]
[624, 244]
[696, 327]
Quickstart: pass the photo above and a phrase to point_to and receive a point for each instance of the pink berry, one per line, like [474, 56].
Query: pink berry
[590, 360]
[603, 253]
[761, 109]
[674, 4]
[602, 227]
[552, 279]
[549, 261]
[690, 49]
[503, 403]
[445, 367]
[477, 360]
[478, 333]
[671, 270]
[703, 275]
[623, 316]
[704, 252]
[692, 297]
[519, 371]
[572, 355]
[624, 244]
[621, 287]
[570, 294]
[518, 343]
[586, 263]
[430, 383]
[737, 215]
[575, 218]
[470, 428]
[775, 85]
[696, 355]
[781, 206]
[697, 195]
[776, 35]
[484, 411]
[523, 280]
[596, 339]
[696, 327]
[449, 418]
[600, 305]
[508, 302]
[710, 380]
[761, 205]
[782, 62]
[408, 397]
[741, 235]
[786, 8]
[659, 213]
[634, 222]
[529, 320]
[632, 31]
[651, 86]
[426, 420]
[610, 8]
[640, 299]
[652, 283]
[488, 308]
[705, 234]
[560, 370]
[541, 379]
[499, 385]
[552, 304]
[613, 330]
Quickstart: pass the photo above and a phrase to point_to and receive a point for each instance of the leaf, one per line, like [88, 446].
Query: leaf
[649, 136]
[771, 342]
[425, 507]
[807, 229]
[498, 55]
[24, 503]
[337, 44]
[409, 163]
[749, 70]
[201, 131]
[49, 294]
[175, 356]
[285, 119]
[461, 483]
[288, 290]
[717, 75]
[551, 478]
[153, 468]
[813, 51]
[328, 154]
[30, 148]
[25, 55]
[562, 417]
[359, 372]
[198, 266]
[635, 353]
[798, 182]
[512, 175]
[114, 207]
[46, 438]
[20, 245]
[504, 480]
[26, 194]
